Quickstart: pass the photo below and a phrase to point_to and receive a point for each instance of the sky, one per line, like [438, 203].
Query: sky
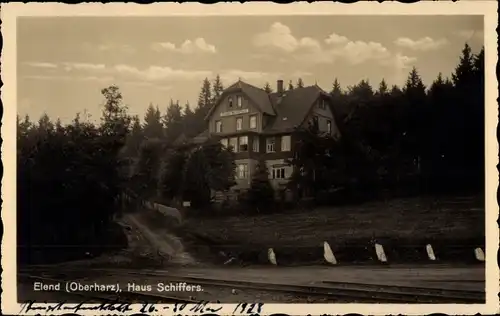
[64, 62]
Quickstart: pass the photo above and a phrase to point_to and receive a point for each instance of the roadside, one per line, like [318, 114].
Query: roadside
[404, 227]
[442, 278]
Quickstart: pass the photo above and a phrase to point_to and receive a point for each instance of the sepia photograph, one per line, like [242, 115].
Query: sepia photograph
[250, 158]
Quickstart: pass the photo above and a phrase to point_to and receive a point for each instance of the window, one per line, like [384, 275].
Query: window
[230, 102]
[218, 126]
[224, 142]
[270, 144]
[314, 121]
[239, 123]
[242, 171]
[253, 121]
[285, 143]
[255, 144]
[243, 143]
[233, 143]
[322, 104]
[329, 126]
[278, 173]
[239, 101]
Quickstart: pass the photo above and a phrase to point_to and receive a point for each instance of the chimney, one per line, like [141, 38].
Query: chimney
[280, 86]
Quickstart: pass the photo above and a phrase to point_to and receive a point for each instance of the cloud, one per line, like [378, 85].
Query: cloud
[148, 76]
[358, 52]
[97, 78]
[145, 84]
[310, 50]
[109, 47]
[336, 39]
[422, 44]
[399, 62]
[404, 62]
[68, 78]
[69, 66]
[162, 73]
[41, 65]
[155, 73]
[280, 36]
[199, 45]
[164, 46]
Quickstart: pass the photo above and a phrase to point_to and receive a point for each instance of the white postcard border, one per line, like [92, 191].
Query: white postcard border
[10, 11]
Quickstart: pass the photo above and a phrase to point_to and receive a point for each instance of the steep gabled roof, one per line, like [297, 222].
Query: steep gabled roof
[288, 110]
[292, 107]
[259, 97]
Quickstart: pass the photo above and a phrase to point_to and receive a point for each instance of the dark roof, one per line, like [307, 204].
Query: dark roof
[259, 97]
[292, 107]
[196, 140]
[182, 139]
[201, 138]
[287, 110]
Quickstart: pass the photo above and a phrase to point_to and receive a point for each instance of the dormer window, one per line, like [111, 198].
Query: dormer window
[239, 101]
[230, 102]
[322, 104]
[314, 121]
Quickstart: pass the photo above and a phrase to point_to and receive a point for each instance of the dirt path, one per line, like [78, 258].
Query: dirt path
[168, 245]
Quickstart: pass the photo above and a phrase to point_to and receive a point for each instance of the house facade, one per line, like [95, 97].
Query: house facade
[261, 125]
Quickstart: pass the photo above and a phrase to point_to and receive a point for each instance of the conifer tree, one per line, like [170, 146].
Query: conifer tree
[267, 88]
[300, 83]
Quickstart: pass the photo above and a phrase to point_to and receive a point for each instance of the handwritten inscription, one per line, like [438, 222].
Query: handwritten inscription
[201, 307]
[246, 308]
[75, 308]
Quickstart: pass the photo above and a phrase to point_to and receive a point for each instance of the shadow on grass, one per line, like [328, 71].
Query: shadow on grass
[454, 226]
[113, 240]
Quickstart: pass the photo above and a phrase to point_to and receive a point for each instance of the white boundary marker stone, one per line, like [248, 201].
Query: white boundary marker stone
[328, 253]
[379, 249]
[479, 253]
[272, 256]
[430, 252]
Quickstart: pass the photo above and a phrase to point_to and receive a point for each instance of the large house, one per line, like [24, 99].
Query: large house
[257, 125]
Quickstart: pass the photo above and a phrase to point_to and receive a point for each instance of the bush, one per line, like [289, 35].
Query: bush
[261, 194]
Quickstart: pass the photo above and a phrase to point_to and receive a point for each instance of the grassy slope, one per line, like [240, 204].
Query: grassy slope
[411, 222]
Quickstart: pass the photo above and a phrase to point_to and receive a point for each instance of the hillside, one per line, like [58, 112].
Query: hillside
[403, 226]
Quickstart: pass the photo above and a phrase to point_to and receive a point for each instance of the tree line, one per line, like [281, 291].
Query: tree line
[71, 177]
